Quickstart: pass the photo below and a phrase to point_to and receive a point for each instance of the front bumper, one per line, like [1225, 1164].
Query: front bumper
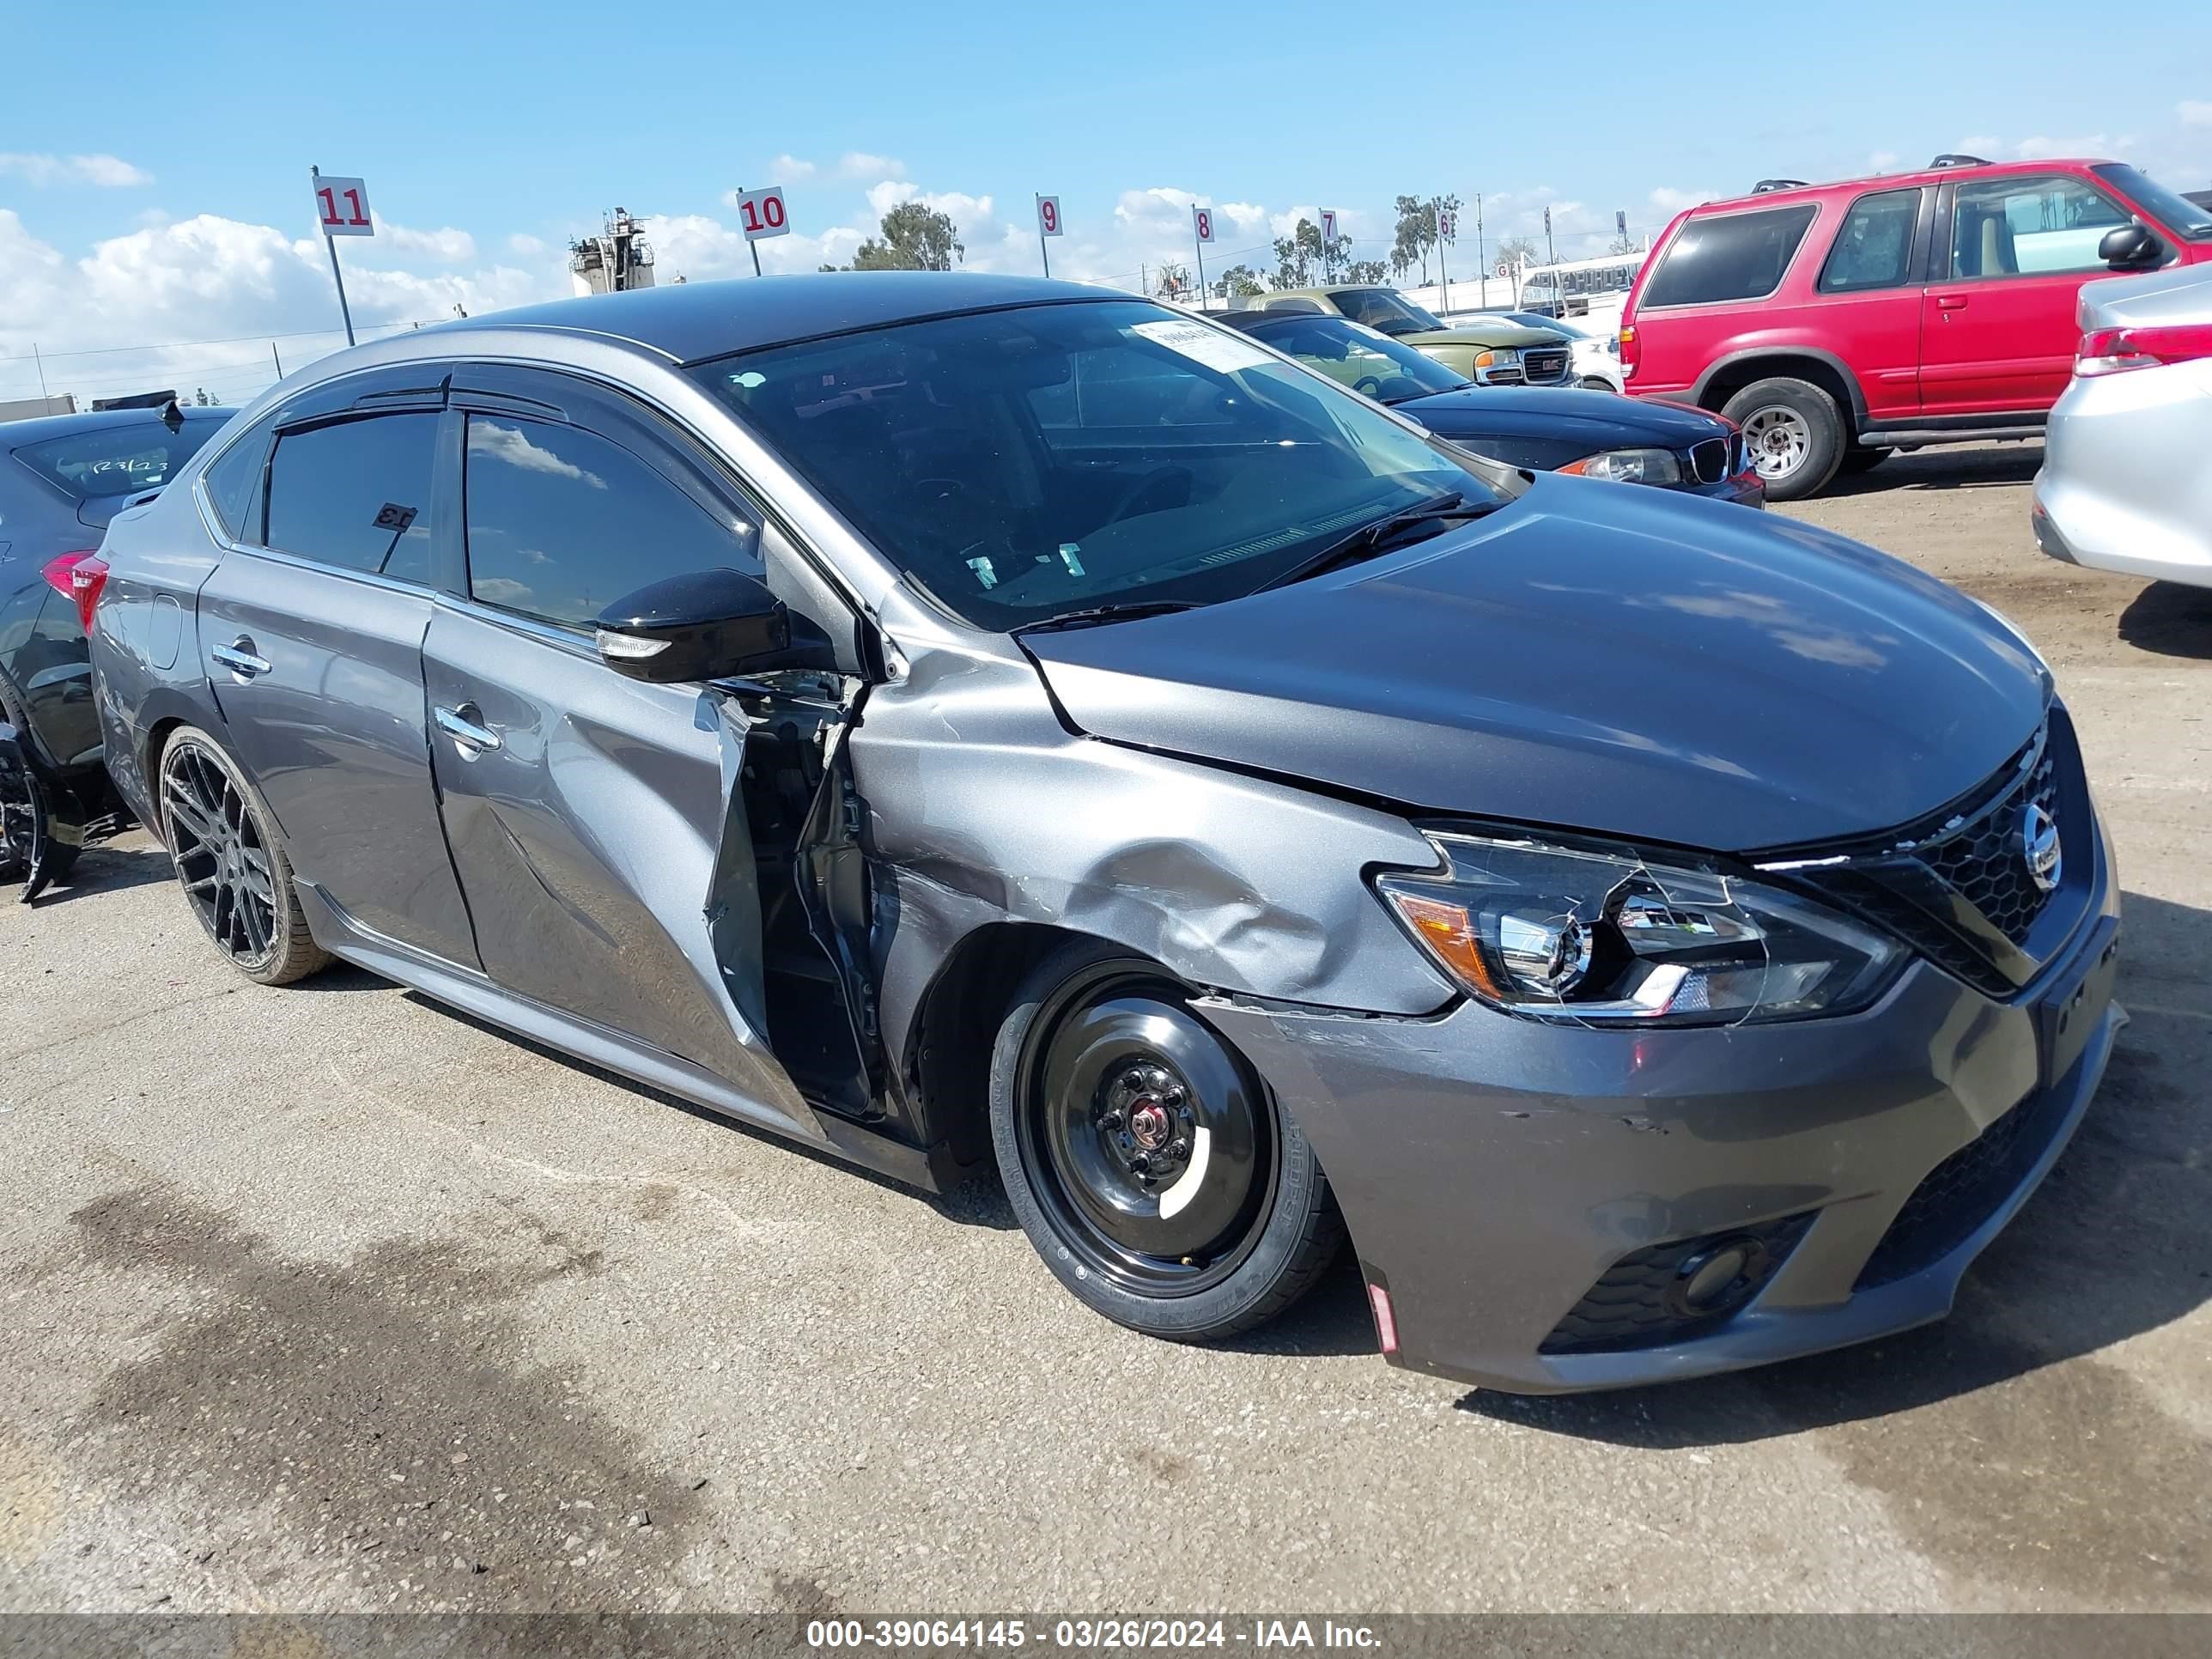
[1746, 489]
[1493, 1170]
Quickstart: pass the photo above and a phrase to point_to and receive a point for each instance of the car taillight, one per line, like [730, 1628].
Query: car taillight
[78, 577]
[2110, 351]
[1626, 346]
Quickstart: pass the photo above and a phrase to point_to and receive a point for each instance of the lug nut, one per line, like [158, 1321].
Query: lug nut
[1142, 1164]
[1111, 1118]
[1178, 1147]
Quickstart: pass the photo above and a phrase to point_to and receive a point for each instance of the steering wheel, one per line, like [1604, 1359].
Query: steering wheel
[1368, 385]
[1125, 504]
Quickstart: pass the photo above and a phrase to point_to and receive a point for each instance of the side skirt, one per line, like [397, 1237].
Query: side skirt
[927, 1169]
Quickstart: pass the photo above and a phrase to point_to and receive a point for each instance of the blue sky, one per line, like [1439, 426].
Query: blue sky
[488, 135]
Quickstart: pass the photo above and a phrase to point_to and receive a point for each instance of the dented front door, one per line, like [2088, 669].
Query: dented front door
[598, 827]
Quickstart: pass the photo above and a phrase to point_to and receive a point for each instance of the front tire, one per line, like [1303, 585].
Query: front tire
[231, 862]
[1794, 433]
[1146, 1160]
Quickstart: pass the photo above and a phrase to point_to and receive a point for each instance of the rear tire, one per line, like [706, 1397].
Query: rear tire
[1858, 461]
[231, 862]
[55, 862]
[1794, 432]
[1146, 1160]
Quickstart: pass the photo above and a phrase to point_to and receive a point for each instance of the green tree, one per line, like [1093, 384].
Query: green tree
[1624, 245]
[914, 238]
[1416, 236]
[1302, 256]
[1520, 250]
[1367, 273]
[1238, 283]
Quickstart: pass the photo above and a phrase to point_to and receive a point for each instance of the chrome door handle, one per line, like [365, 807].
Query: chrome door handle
[238, 657]
[464, 726]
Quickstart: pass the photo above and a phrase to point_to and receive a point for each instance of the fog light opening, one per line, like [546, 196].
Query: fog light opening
[1719, 1277]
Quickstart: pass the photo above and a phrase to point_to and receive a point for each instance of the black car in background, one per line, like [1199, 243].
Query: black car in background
[62, 477]
[1545, 429]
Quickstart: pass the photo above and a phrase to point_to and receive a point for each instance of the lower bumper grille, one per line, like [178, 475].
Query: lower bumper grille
[1638, 1302]
[1964, 1190]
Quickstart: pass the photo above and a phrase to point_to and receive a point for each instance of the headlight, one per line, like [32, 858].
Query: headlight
[1608, 937]
[1497, 359]
[1651, 467]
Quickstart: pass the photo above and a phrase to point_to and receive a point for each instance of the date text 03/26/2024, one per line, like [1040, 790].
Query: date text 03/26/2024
[1085, 1633]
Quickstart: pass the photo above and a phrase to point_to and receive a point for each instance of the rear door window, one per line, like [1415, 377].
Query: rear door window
[561, 522]
[1874, 247]
[1728, 256]
[234, 486]
[356, 494]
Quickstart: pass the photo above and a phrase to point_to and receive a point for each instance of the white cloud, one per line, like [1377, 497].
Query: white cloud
[447, 246]
[102, 171]
[511, 445]
[1671, 201]
[2193, 113]
[964, 209]
[1247, 216]
[789, 169]
[1882, 161]
[528, 247]
[859, 164]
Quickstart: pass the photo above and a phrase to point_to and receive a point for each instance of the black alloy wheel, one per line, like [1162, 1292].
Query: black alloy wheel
[230, 863]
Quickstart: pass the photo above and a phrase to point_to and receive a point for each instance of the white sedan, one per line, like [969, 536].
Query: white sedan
[1596, 362]
[2125, 485]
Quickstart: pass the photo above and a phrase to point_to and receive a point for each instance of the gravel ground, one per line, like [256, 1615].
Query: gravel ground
[330, 1299]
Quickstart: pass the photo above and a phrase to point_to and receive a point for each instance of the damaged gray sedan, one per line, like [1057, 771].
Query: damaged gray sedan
[952, 720]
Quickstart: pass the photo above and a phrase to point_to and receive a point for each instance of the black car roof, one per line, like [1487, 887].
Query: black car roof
[15, 434]
[692, 322]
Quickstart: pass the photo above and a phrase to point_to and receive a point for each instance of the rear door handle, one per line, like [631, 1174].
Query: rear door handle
[465, 727]
[238, 657]
[1950, 302]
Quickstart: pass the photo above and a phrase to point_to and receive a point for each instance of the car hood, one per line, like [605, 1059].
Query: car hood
[1482, 334]
[1592, 657]
[1593, 420]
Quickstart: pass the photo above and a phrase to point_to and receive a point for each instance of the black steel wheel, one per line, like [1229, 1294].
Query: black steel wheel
[23, 847]
[1147, 1161]
[231, 863]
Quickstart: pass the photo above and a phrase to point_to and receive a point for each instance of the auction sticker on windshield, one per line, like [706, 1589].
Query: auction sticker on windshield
[1207, 346]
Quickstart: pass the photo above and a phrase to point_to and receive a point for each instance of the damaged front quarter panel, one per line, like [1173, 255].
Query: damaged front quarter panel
[985, 809]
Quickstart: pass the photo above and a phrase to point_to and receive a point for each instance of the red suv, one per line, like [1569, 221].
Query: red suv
[1837, 323]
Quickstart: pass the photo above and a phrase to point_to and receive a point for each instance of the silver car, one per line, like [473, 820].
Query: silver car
[2125, 485]
[957, 721]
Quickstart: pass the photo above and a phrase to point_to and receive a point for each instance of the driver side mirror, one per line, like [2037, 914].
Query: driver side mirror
[2130, 248]
[703, 625]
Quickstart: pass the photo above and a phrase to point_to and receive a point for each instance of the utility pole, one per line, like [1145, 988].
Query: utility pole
[275, 359]
[1481, 260]
[41, 362]
[1550, 255]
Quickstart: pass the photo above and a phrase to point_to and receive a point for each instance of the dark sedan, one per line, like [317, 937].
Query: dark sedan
[62, 477]
[1545, 430]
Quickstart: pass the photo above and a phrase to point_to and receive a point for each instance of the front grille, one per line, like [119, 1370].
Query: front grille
[1964, 1190]
[1545, 366]
[1983, 863]
[1629, 1305]
[1956, 886]
[1708, 461]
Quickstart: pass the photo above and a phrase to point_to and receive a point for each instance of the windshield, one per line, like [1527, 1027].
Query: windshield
[117, 460]
[1026, 463]
[1379, 308]
[2169, 207]
[1360, 357]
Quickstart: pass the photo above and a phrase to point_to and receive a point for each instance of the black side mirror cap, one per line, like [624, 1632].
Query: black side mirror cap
[2130, 248]
[703, 625]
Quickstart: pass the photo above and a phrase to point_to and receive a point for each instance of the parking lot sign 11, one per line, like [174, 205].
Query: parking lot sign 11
[341, 209]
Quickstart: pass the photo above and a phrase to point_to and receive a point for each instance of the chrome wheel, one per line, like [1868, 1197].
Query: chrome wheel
[1778, 440]
[1150, 1146]
[219, 855]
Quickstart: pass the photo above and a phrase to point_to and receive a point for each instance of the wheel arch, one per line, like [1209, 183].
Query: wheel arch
[1728, 375]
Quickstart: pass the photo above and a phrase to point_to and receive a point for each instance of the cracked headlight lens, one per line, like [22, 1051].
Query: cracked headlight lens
[1605, 937]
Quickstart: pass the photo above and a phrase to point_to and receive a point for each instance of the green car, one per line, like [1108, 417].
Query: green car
[1488, 351]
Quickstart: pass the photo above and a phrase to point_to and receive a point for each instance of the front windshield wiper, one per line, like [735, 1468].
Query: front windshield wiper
[1374, 537]
[1093, 616]
[1408, 397]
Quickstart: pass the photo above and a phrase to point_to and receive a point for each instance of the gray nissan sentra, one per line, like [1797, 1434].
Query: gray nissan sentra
[951, 718]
